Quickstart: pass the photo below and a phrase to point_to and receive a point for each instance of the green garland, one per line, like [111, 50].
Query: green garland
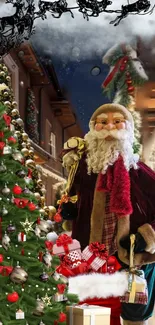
[122, 86]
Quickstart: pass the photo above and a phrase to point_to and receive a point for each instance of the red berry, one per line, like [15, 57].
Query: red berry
[17, 190]
[12, 297]
[129, 82]
[57, 217]
[1, 258]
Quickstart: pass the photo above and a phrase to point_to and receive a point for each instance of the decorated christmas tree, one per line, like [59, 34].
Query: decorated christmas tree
[31, 291]
[126, 74]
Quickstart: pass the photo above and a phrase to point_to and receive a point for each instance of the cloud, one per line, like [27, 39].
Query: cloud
[78, 38]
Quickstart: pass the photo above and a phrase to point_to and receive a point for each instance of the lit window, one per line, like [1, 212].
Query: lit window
[52, 145]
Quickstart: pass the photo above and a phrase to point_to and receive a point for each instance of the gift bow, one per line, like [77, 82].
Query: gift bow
[5, 270]
[99, 250]
[64, 240]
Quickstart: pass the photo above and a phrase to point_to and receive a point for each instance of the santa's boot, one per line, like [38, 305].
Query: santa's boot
[129, 322]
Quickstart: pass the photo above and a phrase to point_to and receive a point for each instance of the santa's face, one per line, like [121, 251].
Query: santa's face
[110, 135]
[110, 123]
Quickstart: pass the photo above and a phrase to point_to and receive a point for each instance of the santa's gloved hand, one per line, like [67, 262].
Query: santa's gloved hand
[140, 243]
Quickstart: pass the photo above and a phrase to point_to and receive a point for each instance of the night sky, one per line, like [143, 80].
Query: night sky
[83, 89]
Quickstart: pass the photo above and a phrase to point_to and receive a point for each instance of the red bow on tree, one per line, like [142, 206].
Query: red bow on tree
[21, 203]
[61, 288]
[7, 119]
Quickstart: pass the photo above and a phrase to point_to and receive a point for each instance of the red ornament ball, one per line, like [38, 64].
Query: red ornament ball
[129, 82]
[131, 89]
[122, 67]
[1, 258]
[62, 318]
[31, 206]
[57, 217]
[17, 190]
[12, 140]
[12, 297]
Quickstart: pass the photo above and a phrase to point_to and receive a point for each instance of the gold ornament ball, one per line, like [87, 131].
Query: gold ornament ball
[37, 195]
[42, 211]
[24, 144]
[25, 152]
[19, 121]
[31, 152]
[14, 122]
[43, 190]
[14, 103]
[5, 94]
[25, 136]
[39, 182]
[15, 112]
[17, 133]
[4, 68]
[30, 163]
[8, 78]
[67, 225]
[52, 209]
[1, 66]
[39, 169]
[42, 199]
[2, 74]
[7, 103]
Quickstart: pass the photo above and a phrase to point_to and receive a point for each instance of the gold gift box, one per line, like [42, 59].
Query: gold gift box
[88, 315]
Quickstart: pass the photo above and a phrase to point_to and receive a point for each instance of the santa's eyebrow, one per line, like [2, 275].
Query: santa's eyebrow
[118, 115]
[102, 116]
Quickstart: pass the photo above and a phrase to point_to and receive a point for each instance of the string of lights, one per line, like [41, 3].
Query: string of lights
[20, 26]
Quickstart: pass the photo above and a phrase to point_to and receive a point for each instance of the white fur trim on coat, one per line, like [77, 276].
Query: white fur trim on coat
[98, 285]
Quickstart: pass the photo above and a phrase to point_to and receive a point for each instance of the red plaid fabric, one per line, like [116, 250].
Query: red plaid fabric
[140, 298]
[110, 228]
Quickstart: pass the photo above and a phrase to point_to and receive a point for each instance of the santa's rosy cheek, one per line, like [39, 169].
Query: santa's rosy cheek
[121, 126]
[98, 127]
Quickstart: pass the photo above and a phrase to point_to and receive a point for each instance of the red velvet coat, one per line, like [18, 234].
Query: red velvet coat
[142, 193]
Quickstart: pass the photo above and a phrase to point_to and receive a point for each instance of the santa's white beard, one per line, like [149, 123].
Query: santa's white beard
[103, 153]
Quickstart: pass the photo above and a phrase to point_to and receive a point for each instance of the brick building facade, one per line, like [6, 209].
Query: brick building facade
[56, 119]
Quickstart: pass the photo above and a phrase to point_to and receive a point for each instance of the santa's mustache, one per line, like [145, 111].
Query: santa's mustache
[116, 134]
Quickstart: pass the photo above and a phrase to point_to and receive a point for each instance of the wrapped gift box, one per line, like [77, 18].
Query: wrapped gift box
[65, 244]
[96, 255]
[88, 315]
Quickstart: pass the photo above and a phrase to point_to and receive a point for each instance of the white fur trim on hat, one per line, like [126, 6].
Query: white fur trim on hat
[112, 108]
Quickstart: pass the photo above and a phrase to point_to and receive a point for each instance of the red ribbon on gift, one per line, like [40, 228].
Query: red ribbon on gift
[6, 270]
[121, 62]
[61, 288]
[98, 250]
[64, 240]
[64, 270]
[111, 266]
[82, 268]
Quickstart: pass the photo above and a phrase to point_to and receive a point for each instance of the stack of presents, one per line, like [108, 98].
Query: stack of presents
[97, 280]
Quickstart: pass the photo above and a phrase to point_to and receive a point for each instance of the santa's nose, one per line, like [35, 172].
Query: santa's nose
[110, 126]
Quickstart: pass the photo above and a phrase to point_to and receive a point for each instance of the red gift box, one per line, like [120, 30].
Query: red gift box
[111, 266]
[65, 244]
[96, 255]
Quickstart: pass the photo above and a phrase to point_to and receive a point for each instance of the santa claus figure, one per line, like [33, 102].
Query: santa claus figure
[115, 197]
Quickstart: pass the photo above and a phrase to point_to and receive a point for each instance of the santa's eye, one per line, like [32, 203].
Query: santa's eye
[117, 121]
[104, 122]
